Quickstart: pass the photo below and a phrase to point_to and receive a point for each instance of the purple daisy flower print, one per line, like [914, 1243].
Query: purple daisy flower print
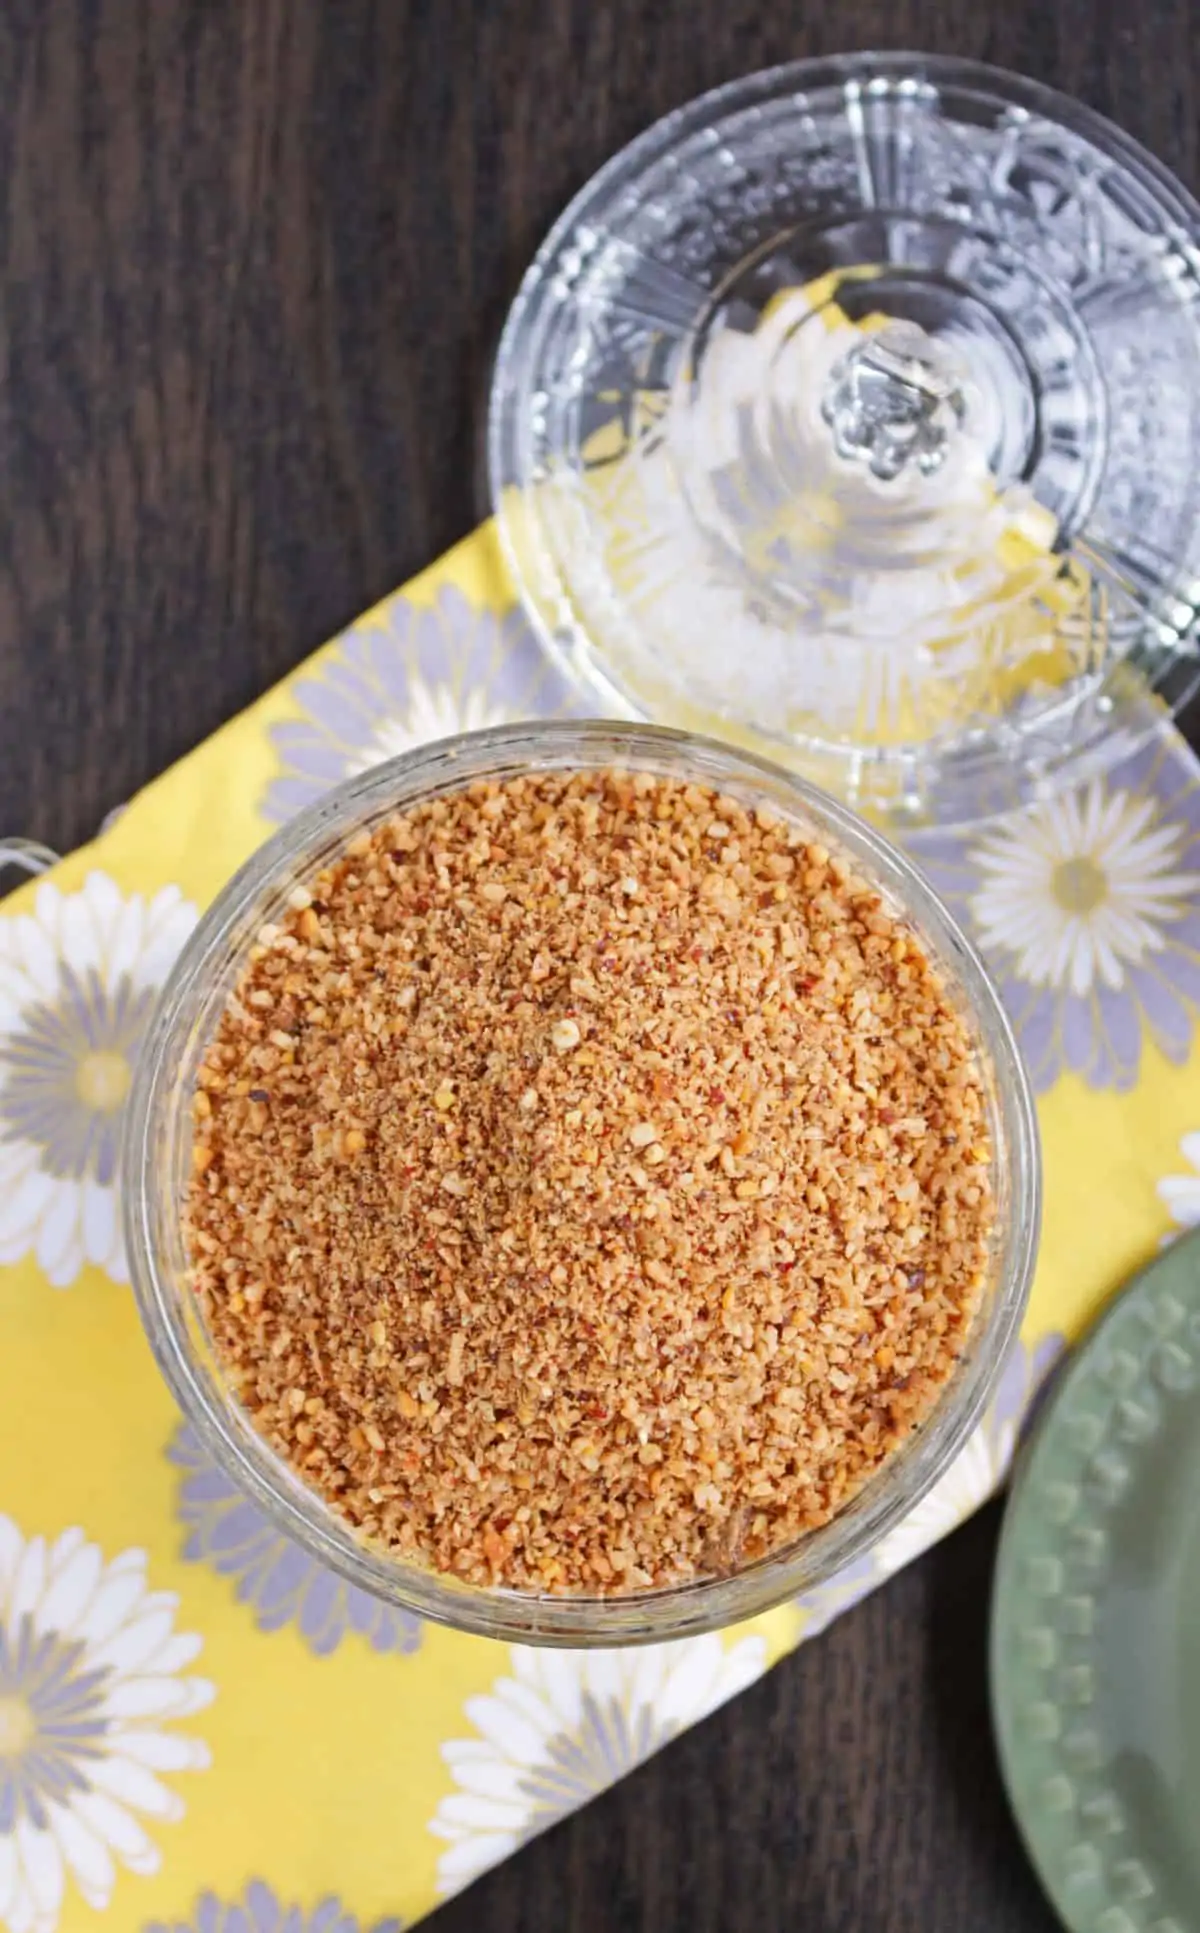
[260, 1910]
[827, 1601]
[282, 1584]
[404, 676]
[80, 976]
[1087, 908]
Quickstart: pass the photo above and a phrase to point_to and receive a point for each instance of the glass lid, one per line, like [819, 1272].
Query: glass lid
[853, 413]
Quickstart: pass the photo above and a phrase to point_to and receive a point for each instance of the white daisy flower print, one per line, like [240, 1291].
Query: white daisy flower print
[971, 1479]
[1180, 1194]
[79, 977]
[1081, 889]
[406, 676]
[91, 1683]
[981, 1466]
[564, 1726]
[1088, 909]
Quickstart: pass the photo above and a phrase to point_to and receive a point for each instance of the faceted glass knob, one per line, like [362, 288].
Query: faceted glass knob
[894, 402]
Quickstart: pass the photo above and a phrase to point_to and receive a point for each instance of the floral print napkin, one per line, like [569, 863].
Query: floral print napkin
[203, 1731]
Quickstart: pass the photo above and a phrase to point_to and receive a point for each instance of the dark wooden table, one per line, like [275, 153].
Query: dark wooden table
[253, 258]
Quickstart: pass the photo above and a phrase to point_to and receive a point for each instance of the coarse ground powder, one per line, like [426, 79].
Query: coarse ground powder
[590, 1183]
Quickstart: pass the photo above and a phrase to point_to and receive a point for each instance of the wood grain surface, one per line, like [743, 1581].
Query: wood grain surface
[253, 258]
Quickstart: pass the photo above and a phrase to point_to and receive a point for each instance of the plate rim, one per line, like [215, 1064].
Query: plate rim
[1078, 1367]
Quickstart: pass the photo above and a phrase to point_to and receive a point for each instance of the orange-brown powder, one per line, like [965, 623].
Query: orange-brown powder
[590, 1183]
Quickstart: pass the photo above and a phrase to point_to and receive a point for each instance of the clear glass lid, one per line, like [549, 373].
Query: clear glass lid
[853, 413]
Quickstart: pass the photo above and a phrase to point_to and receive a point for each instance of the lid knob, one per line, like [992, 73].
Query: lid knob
[894, 402]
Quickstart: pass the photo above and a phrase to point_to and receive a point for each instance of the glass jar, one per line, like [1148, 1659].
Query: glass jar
[157, 1154]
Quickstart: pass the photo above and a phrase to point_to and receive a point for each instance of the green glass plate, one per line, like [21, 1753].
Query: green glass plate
[1095, 1656]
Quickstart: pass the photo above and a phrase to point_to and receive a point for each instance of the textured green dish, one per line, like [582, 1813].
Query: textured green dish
[1095, 1657]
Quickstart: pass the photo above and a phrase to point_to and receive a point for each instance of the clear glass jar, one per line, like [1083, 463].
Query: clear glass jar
[157, 1151]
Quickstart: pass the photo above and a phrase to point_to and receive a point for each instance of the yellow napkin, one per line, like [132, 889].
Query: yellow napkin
[199, 1728]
